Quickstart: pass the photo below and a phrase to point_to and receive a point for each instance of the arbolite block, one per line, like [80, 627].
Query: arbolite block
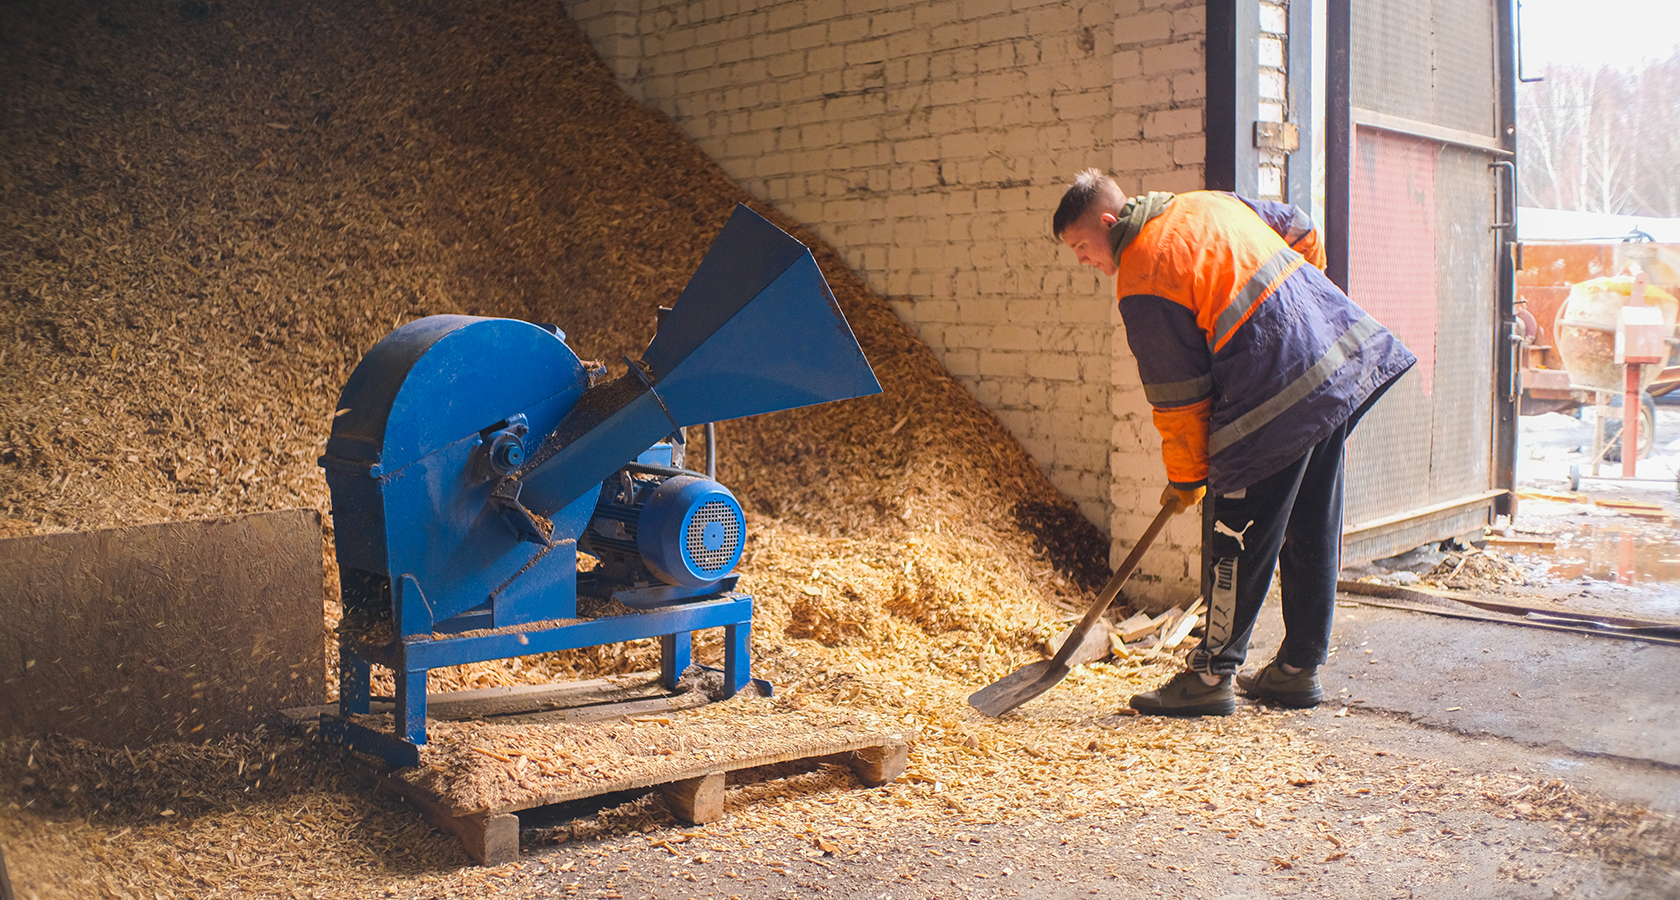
[169, 632]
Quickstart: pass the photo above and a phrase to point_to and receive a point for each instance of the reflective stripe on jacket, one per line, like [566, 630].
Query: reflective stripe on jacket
[1247, 352]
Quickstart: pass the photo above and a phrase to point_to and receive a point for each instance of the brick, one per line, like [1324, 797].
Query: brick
[962, 363]
[1188, 87]
[996, 364]
[1143, 28]
[1043, 20]
[1174, 57]
[1269, 52]
[864, 52]
[1142, 155]
[1190, 21]
[1190, 151]
[770, 44]
[845, 31]
[732, 51]
[885, 23]
[1126, 64]
[784, 16]
[960, 36]
[979, 9]
[1273, 19]
[1171, 122]
[823, 58]
[787, 64]
[1142, 92]
[1180, 180]
[915, 150]
[1056, 366]
[1000, 28]
[1012, 394]
[993, 57]
[1082, 105]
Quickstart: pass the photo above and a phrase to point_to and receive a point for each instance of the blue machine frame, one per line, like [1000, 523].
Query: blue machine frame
[468, 456]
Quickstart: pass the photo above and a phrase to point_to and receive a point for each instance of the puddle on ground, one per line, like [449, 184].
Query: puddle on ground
[1623, 553]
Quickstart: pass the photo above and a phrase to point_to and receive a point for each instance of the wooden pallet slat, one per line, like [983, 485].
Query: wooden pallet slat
[695, 793]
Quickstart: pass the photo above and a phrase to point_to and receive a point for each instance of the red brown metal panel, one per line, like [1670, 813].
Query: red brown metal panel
[1391, 274]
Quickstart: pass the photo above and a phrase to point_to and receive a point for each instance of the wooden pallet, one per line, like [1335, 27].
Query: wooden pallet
[694, 793]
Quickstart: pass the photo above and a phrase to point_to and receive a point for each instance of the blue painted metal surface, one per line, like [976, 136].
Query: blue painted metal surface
[469, 457]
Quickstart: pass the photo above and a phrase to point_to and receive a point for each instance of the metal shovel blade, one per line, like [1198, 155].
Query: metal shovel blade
[1018, 687]
[1033, 679]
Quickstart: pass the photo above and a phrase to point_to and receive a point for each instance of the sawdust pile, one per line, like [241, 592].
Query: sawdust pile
[212, 210]
[1475, 569]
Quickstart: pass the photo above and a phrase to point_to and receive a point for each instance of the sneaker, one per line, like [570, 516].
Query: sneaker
[1187, 695]
[1299, 691]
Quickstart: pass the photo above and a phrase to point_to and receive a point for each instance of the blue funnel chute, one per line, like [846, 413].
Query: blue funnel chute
[755, 331]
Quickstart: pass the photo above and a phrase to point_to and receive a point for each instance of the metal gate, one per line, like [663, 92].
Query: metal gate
[1419, 201]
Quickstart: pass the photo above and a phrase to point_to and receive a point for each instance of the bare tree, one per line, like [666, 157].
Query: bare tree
[1602, 140]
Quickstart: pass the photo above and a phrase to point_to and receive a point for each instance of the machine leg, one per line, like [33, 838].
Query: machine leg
[410, 714]
[675, 651]
[737, 658]
[354, 675]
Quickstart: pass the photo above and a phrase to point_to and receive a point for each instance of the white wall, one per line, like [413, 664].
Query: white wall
[929, 142]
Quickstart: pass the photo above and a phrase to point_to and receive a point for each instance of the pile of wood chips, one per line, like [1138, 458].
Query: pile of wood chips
[210, 210]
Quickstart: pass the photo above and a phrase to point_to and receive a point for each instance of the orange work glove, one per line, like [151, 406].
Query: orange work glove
[1186, 498]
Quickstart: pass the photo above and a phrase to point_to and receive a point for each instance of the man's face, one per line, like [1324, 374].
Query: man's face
[1088, 238]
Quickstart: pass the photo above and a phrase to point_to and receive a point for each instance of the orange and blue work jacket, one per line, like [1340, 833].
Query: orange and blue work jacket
[1248, 354]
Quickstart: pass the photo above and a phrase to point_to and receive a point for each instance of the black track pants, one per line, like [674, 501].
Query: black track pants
[1290, 521]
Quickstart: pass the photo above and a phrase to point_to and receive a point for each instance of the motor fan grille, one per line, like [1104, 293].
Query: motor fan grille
[710, 560]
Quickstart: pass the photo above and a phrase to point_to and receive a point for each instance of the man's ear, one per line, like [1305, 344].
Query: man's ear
[1108, 219]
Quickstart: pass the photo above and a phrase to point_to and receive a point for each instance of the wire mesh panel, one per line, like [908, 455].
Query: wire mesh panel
[1428, 60]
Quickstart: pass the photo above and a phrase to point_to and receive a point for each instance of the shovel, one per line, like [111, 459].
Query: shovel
[1029, 681]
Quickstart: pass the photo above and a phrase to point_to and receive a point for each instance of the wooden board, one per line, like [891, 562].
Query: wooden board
[178, 631]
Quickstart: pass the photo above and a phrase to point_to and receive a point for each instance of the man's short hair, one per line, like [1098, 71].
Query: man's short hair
[1088, 186]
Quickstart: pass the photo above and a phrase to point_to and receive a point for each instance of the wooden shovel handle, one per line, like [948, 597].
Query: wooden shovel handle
[1115, 583]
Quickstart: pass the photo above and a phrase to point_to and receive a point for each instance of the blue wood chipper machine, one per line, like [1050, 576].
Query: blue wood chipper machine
[472, 458]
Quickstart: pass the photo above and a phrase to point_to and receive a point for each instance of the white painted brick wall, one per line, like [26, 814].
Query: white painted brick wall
[929, 141]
